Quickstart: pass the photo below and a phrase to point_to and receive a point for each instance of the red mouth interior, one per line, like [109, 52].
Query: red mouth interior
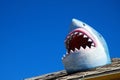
[77, 40]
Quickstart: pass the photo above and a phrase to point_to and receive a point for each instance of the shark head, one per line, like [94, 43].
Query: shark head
[85, 48]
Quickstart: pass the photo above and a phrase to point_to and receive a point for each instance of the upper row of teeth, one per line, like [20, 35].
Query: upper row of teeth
[79, 34]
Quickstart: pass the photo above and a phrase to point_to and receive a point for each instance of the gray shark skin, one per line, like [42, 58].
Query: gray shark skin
[86, 48]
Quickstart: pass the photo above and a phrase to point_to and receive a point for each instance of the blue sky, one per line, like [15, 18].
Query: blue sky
[32, 32]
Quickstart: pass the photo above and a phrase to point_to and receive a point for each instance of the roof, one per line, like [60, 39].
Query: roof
[111, 69]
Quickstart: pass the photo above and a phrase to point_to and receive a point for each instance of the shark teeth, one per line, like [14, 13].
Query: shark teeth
[76, 33]
[92, 47]
[71, 51]
[81, 48]
[89, 40]
[87, 47]
[92, 44]
[84, 36]
[76, 50]
[77, 41]
[80, 33]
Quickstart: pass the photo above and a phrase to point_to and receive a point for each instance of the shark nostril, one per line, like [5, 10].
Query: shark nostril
[78, 40]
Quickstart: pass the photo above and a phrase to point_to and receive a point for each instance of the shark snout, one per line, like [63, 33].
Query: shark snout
[85, 48]
[77, 23]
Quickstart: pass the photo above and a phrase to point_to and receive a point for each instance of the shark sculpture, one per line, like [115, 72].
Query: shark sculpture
[86, 48]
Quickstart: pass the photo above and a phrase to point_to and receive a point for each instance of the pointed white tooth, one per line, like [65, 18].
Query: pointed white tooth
[81, 48]
[71, 51]
[71, 34]
[92, 44]
[62, 58]
[87, 47]
[75, 32]
[89, 40]
[76, 49]
[85, 36]
[80, 33]
[92, 47]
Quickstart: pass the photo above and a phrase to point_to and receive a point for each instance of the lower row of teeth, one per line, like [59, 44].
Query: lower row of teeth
[76, 51]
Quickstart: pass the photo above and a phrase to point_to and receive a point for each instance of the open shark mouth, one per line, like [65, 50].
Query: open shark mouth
[78, 40]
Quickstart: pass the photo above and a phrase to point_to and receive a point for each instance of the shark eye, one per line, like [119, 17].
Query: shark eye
[83, 24]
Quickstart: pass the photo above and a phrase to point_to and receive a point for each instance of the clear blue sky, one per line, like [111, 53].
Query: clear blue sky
[32, 32]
